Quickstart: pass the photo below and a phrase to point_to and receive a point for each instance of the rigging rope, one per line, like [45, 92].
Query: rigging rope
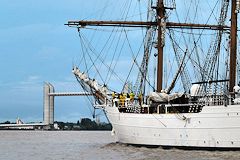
[114, 53]
[102, 61]
[81, 38]
[134, 60]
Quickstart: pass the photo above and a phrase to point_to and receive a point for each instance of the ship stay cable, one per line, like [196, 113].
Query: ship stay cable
[84, 46]
[199, 37]
[210, 62]
[201, 33]
[185, 81]
[83, 52]
[196, 62]
[133, 57]
[101, 13]
[88, 97]
[81, 37]
[93, 63]
[179, 71]
[101, 51]
[193, 61]
[106, 53]
[110, 69]
[117, 59]
[218, 42]
[123, 29]
[184, 73]
[140, 83]
[112, 60]
[134, 61]
[219, 35]
[197, 40]
[113, 56]
[158, 119]
[114, 53]
[191, 32]
[99, 56]
[102, 61]
[140, 15]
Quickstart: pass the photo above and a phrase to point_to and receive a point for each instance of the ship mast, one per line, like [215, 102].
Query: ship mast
[233, 47]
[160, 18]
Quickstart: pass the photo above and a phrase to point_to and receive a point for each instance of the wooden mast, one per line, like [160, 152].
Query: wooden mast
[233, 47]
[160, 19]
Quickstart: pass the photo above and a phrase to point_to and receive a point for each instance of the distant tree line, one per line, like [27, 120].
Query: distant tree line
[85, 124]
[6, 122]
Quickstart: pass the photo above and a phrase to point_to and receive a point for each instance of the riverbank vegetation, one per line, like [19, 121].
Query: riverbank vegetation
[83, 124]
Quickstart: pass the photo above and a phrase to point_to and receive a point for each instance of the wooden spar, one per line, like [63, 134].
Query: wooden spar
[82, 23]
[215, 81]
[145, 24]
[233, 47]
[160, 44]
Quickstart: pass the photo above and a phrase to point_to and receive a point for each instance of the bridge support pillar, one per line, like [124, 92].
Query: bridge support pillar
[48, 108]
[51, 105]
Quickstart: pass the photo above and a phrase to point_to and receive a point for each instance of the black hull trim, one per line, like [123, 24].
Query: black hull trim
[185, 147]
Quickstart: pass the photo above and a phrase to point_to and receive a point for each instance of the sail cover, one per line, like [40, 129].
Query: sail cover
[163, 97]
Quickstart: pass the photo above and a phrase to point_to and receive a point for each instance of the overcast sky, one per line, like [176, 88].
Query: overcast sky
[35, 47]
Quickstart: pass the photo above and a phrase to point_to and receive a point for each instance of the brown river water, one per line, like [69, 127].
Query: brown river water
[90, 145]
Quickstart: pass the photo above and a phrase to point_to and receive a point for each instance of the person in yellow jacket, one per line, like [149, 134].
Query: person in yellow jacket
[124, 96]
[113, 95]
[121, 100]
[140, 98]
[131, 96]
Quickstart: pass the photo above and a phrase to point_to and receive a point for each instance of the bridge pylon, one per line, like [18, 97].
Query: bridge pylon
[48, 104]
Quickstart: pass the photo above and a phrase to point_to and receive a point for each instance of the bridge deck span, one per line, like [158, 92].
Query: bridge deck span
[70, 94]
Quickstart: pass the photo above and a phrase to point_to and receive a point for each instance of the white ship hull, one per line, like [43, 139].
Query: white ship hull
[214, 126]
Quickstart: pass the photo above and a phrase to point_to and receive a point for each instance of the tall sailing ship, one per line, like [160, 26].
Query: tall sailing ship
[195, 99]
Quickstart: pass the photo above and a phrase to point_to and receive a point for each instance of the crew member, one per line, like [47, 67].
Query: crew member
[131, 97]
[140, 99]
[113, 97]
[122, 99]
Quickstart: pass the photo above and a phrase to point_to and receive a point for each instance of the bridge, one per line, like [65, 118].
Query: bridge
[22, 125]
[49, 94]
[70, 94]
[48, 108]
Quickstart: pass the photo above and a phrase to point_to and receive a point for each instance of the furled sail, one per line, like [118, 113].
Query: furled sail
[100, 91]
[163, 97]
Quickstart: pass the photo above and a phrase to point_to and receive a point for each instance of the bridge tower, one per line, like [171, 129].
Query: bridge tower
[48, 109]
